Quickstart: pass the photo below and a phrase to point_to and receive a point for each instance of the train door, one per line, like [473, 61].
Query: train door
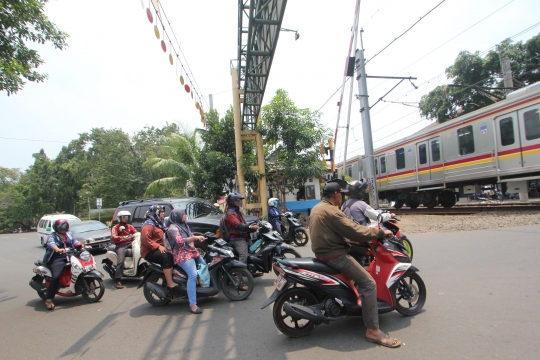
[529, 135]
[436, 162]
[422, 162]
[508, 142]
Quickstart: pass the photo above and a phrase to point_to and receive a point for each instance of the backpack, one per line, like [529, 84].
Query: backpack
[223, 229]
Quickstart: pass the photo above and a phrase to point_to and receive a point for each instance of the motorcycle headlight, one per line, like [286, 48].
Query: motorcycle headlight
[85, 255]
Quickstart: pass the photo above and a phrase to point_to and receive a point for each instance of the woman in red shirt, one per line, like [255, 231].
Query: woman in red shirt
[152, 247]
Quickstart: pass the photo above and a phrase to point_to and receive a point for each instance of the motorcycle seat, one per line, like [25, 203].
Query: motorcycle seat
[310, 264]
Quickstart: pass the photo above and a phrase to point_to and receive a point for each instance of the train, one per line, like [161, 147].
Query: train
[499, 143]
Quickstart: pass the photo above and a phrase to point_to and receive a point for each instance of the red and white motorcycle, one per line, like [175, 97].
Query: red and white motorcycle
[310, 292]
[79, 277]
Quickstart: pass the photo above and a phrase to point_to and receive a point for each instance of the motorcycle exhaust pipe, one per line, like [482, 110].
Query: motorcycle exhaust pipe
[303, 312]
[158, 290]
[37, 286]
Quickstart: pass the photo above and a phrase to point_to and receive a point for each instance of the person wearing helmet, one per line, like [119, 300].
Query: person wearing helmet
[55, 256]
[274, 217]
[357, 209]
[152, 247]
[120, 234]
[329, 227]
[238, 229]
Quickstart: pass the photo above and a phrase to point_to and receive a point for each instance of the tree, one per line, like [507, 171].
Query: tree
[21, 22]
[292, 138]
[472, 76]
[8, 182]
[177, 165]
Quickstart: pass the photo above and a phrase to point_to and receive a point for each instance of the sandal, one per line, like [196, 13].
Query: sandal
[196, 311]
[385, 340]
[49, 304]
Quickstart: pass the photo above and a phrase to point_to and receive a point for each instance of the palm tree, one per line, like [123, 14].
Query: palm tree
[177, 167]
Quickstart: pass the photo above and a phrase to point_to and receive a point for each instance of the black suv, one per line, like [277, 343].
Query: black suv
[202, 215]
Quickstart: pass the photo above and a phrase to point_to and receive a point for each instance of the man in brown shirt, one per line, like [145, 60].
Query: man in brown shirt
[328, 228]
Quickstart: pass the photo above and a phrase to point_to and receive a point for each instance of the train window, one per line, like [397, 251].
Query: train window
[383, 165]
[422, 154]
[400, 158]
[435, 151]
[466, 140]
[532, 124]
[507, 131]
[376, 167]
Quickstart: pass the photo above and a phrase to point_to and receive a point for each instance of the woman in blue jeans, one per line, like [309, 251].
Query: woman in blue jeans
[181, 241]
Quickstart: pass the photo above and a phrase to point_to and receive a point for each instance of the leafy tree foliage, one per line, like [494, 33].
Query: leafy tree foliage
[292, 137]
[470, 72]
[21, 22]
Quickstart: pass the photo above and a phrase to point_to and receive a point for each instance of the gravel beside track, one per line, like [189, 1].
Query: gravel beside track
[414, 224]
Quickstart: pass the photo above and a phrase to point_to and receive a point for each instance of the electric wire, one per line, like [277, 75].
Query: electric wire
[51, 141]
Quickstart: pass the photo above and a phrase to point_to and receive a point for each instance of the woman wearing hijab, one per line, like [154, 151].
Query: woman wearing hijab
[181, 241]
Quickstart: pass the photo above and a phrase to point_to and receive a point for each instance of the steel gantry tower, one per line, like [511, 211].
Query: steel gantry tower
[259, 24]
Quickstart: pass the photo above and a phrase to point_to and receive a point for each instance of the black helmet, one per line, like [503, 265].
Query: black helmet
[61, 224]
[357, 188]
[232, 197]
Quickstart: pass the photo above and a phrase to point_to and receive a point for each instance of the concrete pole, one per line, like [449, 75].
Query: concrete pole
[366, 129]
[237, 134]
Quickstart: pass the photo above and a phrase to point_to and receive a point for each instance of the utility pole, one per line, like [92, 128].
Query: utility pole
[366, 129]
[506, 69]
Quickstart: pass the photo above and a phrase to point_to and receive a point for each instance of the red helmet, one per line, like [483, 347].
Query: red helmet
[61, 224]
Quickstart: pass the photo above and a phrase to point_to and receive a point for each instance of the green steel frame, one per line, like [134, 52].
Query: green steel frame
[256, 45]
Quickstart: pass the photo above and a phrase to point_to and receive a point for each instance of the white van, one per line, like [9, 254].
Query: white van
[45, 224]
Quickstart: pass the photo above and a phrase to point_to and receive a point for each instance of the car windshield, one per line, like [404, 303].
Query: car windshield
[196, 209]
[88, 226]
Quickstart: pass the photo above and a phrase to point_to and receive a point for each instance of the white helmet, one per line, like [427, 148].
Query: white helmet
[273, 202]
[123, 213]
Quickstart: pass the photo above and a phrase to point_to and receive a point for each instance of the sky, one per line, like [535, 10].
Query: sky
[114, 73]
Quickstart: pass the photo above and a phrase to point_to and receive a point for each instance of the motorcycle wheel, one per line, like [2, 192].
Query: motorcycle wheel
[229, 288]
[410, 305]
[152, 299]
[301, 237]
[284, 254]
[95, 291]
[294, 328]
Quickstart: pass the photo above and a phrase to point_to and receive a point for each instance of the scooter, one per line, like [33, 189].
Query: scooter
[79, 277]
[296, 232]
[267, 245]
[309, 292]
[226, 274]
[134, 264]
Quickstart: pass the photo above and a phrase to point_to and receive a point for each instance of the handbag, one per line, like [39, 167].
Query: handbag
[203, 277]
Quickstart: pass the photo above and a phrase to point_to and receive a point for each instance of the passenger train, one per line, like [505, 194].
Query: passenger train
[499, 143]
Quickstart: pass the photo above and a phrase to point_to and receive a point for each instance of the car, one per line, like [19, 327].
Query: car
[91, 233]
[202, 215]
[46, 222]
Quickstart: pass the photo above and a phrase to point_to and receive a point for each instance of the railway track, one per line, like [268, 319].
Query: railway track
[468, 209]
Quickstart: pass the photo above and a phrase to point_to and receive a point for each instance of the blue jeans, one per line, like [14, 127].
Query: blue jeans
[190, 267]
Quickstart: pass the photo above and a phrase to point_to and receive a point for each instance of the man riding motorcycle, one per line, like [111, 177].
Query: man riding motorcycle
[329, 227]
[120, 234]
[274, 216]
[357, 209]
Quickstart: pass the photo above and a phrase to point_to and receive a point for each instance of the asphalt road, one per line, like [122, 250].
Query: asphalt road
[483, 301]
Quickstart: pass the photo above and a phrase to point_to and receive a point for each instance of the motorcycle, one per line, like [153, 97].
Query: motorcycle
[227, 274]
[364, 254]
[296, 232]
[134, 264]
[267, 245]
[79, 277]
[309, 292]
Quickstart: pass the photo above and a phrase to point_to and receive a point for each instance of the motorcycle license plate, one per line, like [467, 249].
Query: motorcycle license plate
[89, 268]
[280, 282]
